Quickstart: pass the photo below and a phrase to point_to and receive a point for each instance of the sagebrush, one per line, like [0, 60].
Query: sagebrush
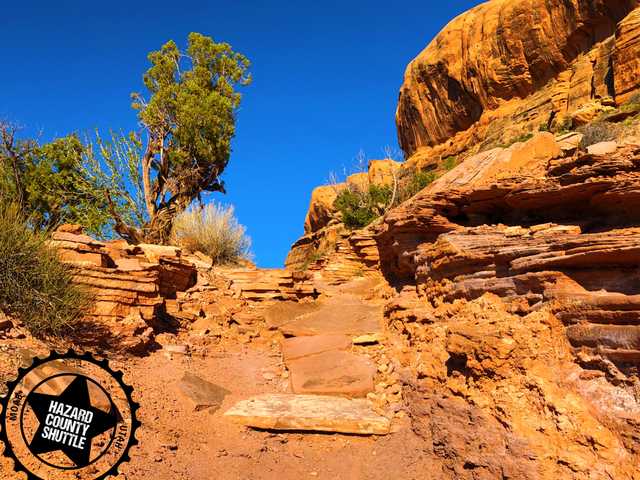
[35, 286]
[214, 231]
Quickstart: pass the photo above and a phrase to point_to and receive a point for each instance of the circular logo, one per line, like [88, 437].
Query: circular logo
[68, 416]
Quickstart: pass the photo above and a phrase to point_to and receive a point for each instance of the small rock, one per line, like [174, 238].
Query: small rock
[395, 388]
[569, 142]
[602, 148]
[177, 349]
[369, 339]
[5, 324]
[309, 412]
[202, 394]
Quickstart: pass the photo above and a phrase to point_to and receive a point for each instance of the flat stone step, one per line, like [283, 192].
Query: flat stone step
[350, 319]
[299, 347]
[309, 413]
[333, 372]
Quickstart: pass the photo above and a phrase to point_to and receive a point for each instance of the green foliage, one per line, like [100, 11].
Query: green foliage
[136, 183]
[520, 138]
[414, 181]
[360, 208]
[189, 120]
[34, 285]
[449, 162]
[115, 166]
[50, 183]
[214, 231]
[596, 132]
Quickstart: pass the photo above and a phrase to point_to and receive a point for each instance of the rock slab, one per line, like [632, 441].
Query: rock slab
[299, 347]
[203, 395]
[332, 373]
[337, 319]
[309, 412]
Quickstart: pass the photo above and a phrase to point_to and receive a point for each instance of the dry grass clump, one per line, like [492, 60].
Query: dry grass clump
[598, 131]
[35, 286]
[214, 231]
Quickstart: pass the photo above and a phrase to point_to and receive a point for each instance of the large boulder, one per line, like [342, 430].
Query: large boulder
[383, 172]
[321, 206]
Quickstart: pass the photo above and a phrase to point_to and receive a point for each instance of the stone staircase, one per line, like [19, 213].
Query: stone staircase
[329, 378]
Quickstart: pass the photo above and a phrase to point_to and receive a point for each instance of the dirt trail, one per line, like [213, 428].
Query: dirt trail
[185, 437]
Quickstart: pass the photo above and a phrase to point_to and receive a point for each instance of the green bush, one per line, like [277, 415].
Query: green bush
[360, 208]
[596, 132]
[34, 285]
[449, 163]
[519, 139]
[415, 181]
[214, 231]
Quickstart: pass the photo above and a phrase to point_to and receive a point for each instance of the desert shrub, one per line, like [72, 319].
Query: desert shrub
[449, 163]
[562, 125]
[35, 286]
[596, 132]
[312, 257]
[214, 231]
[520, 138]
[413, 182]
[360, 208]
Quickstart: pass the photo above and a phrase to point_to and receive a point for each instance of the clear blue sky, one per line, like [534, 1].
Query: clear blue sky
[326, 79]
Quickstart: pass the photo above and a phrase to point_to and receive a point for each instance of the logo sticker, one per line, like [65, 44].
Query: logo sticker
[68, 416]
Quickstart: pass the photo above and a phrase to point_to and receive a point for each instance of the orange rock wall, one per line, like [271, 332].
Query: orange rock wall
[524, 61]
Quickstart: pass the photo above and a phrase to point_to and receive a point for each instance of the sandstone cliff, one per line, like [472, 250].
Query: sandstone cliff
[509, 66]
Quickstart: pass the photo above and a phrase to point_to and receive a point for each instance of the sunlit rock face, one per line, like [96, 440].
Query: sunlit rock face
[524, 62]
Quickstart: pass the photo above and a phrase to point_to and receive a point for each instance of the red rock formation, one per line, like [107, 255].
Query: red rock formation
[507, 66]
[626, 61]
[321, 212]
[138, 289]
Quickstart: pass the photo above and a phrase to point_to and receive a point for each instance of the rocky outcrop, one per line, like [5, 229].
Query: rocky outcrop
[505, 67]
[321, 211]
[498, 395]
[321, 207]
[139, 290]
[626, 61]
[335, 255]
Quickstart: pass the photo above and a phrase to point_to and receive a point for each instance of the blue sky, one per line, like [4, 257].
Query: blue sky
[326, 80]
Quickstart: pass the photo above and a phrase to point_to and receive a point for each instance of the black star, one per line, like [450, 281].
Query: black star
[76, 395]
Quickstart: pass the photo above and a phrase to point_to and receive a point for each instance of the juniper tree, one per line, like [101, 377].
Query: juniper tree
[188, 116]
